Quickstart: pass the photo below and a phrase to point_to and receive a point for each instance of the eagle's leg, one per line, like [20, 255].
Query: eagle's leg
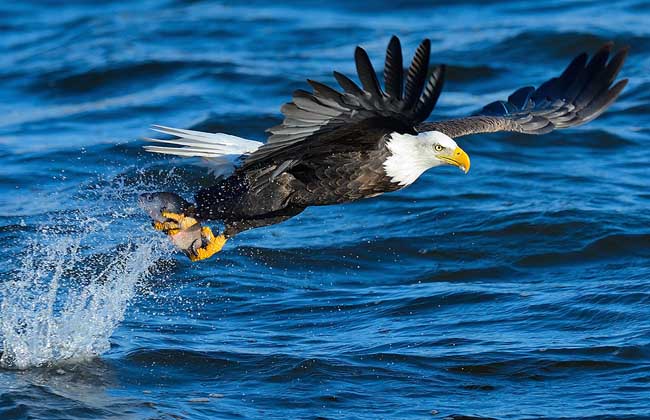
[213, 244]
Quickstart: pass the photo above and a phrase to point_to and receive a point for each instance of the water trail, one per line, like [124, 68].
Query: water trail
[72, 289]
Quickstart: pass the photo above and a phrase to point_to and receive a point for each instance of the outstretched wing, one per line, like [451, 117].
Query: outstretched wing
[581, 93]
[403, 103]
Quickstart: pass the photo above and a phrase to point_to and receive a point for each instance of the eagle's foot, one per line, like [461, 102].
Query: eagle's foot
[175, 223]
[213, 244]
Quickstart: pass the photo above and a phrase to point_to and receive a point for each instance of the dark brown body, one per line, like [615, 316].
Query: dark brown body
[276, 189]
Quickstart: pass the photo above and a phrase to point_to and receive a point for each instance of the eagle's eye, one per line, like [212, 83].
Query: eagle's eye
[438, 148]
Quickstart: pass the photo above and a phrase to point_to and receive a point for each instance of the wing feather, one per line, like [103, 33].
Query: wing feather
[348, 85]
[417, 73]
[309, 116]
[367, 74]
[581, 93]
[432, 91]
[394, 69]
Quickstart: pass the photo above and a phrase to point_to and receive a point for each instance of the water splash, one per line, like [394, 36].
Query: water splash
[63, 304]
[73, 284]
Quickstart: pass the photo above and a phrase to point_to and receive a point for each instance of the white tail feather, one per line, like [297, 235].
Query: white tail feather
[220, 151]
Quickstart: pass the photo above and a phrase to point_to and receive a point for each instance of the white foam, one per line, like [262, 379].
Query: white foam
[70, 291]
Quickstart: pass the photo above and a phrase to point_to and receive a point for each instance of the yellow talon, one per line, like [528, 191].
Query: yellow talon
[165, 226]
[214, 245]
[174, 216]
[206, 232]
[176, 223]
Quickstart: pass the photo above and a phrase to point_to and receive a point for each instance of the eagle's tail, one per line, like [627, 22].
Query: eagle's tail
[220, 151]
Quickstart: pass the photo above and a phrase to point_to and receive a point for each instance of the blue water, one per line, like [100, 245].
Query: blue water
[518, 291]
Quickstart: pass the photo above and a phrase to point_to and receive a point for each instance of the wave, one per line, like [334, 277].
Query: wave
[115, 75]
[469, 74]
[551, 45]
[613, 246]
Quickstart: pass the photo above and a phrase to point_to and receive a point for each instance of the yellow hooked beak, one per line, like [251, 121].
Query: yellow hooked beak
[459, 158]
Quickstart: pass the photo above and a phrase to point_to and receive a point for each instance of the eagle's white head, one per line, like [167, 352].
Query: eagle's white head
[412, 155]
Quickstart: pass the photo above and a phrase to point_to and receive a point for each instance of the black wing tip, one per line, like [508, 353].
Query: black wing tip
[315, 84]
[340, 77]
[360, 56]
[424, 48]
[619, 86]
[581, 58]
[441, 69]
[607, 46]
[360, 52]
[301, 93]
[438, 73]
[622, 54]
[604, 50]
[443, 72]
[616, 90]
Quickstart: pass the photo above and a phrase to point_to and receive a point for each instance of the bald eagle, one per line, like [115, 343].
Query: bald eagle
[336, 146]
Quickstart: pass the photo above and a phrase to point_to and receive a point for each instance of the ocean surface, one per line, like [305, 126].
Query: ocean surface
[518, 291]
